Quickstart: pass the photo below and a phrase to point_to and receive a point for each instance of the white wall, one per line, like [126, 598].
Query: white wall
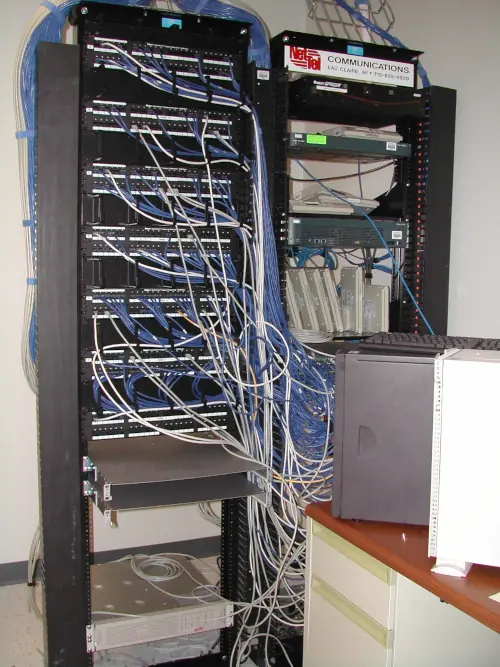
[18, 450]
[18, 458]
[460, 41]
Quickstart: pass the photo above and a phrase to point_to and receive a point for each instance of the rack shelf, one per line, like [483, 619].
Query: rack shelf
[147, 615]
[156, 471]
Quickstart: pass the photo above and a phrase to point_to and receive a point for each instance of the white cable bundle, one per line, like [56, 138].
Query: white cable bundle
[306, 336]
[207, 512]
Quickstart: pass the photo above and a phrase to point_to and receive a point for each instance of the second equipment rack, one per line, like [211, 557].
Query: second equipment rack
[425, 118]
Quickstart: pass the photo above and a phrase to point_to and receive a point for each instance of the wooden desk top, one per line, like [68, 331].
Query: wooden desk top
[404, 549]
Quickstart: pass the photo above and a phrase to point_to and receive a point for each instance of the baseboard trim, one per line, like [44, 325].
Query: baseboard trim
[16, 573]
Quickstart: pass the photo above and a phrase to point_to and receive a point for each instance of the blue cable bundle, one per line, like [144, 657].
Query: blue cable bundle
[373, 27]
[259, 44]
[48, 30]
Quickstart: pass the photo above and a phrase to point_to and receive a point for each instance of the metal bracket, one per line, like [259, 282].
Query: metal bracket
[111, 518]
[107, 492]
[90, 638]
[90, 489]
[87, 464]
[263, 480]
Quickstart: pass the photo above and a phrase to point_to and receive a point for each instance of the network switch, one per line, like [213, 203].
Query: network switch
[350, 232]
[305, 144]
[354, 102]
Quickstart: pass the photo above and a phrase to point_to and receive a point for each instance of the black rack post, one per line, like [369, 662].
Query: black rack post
[440, 132]
[64, 511]
[428, 184]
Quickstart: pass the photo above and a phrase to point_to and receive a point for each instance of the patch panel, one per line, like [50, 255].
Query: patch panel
[118, 130]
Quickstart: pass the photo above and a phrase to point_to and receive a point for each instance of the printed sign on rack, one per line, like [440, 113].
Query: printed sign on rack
[345, 66]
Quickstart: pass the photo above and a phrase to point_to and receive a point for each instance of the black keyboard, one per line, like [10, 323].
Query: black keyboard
[424, 344]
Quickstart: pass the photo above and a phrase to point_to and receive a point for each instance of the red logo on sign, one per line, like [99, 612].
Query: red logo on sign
[309, 59]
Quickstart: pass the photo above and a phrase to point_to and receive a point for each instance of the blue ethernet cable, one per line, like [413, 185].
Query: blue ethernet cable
[259, 45]
[49, 30]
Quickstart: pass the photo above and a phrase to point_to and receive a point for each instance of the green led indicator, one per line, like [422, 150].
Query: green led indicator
[318, 139]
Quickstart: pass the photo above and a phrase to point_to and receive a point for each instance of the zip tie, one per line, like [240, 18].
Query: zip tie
[31, 281]
[25, 134]
[200, 7]
[56, 11]
[28, 223]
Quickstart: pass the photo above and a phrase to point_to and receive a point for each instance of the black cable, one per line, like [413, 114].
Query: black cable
[360, 179]
[340, 178]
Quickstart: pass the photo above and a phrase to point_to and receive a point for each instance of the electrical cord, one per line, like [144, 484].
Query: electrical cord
[343, 177]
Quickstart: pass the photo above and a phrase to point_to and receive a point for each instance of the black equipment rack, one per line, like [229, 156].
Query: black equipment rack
[88, 116]
[424, 174]
[422, 198]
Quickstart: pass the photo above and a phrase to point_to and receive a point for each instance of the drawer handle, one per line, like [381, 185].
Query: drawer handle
[352, 612]
[352, 552]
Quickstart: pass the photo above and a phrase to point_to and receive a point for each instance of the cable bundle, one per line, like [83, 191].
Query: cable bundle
[46, 26]
[281, 399]
[259, 46]
[373, 27]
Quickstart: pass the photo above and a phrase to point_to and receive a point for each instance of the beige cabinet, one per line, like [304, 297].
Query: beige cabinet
[361, 613]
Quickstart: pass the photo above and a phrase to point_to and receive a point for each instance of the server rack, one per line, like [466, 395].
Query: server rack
[425, 118]
[424, 179]
[80, 100]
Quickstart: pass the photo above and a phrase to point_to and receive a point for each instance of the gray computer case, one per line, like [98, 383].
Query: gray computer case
[383, 437]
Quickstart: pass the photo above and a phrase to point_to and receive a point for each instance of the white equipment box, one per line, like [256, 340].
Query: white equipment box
[465, 496]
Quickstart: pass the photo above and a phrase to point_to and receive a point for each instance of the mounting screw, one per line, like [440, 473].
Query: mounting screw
[272, 661]
[84, 10]
[243, 31]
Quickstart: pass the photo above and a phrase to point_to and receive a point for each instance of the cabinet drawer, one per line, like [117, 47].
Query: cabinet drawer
[340, 634]
[364, 581]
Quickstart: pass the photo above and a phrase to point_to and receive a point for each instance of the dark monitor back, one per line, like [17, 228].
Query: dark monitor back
[383, 437]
